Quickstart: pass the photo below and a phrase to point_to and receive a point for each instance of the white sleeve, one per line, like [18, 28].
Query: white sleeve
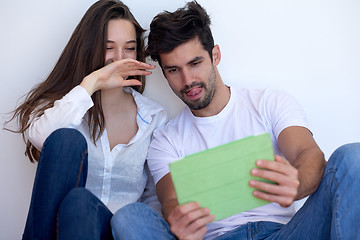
[282, 111]
[161, 153]
[67, 112]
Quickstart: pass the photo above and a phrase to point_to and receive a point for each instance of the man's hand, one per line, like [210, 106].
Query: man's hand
[188, 221]
[283, 174]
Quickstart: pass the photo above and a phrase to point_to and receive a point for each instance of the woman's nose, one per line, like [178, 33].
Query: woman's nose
[119, 54]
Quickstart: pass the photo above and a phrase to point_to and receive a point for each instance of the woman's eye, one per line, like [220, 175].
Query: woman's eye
[131, 49]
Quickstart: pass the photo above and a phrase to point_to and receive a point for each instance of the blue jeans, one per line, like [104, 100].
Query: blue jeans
[330, 213]
[61, 208]
[138, 221]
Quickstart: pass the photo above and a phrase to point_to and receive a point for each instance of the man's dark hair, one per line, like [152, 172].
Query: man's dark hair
[168, 30]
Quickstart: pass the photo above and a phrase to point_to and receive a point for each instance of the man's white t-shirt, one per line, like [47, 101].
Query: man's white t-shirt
[248, 112]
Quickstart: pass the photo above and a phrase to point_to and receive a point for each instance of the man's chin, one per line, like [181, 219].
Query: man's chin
[196, 105]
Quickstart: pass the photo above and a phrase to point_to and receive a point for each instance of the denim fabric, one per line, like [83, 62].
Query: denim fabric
[82, 216]
[62, 167]
[138, 221]
[252, 230]
[329, 213]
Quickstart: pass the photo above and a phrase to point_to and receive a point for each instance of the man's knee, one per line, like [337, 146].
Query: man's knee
[139, 221]
[347, 155]
[130, 212]
[133, 214]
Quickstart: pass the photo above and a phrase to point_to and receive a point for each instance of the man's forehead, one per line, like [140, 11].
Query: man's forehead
[184, 53]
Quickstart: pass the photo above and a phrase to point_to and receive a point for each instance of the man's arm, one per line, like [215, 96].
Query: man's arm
[298, 175]
[300, 149]
[187, 221]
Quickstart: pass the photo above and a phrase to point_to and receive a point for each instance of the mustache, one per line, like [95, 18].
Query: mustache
[194, 84]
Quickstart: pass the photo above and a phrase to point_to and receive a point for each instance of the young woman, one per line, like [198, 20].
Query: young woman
[93, 128]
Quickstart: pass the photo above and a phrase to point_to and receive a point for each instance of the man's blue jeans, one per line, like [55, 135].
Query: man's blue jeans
[61, 208]
[330, 213]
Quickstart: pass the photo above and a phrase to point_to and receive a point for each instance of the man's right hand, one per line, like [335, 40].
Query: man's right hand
[188, 221]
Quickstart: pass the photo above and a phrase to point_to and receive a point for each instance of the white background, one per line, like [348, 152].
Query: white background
[309, 48]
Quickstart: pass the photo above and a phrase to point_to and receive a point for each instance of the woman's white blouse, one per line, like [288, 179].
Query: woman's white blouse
[116, 177]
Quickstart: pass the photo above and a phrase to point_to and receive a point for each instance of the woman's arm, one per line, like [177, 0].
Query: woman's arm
[67, 112]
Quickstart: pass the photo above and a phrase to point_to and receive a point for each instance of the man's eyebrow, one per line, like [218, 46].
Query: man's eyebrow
[199, 58]
[170, 67]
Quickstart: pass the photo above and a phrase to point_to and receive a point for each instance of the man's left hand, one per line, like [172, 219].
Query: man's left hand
[283, 174]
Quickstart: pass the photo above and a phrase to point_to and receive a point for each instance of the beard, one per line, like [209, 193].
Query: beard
[209, 90]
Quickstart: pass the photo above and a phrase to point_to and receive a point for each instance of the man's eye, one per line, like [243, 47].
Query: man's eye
[196, 63]
[172, 70]
[109, 48]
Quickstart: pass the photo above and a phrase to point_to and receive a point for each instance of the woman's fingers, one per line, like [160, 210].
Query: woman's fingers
[115, 74]
[131, 82]
[131, 64]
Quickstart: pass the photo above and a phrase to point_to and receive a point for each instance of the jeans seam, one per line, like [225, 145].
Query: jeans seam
[334, 208]
[251, 230]
[57, 227]
[81, 168]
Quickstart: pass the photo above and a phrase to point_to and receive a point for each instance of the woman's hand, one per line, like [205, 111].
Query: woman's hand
[115, 75]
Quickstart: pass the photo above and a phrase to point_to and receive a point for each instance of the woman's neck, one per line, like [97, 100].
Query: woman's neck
[116, 98]
[119, 110]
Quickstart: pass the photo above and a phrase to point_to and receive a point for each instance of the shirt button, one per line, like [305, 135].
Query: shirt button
[105, 192]
[108, 170]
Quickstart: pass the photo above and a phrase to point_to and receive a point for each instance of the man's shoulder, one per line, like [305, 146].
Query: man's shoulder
[175, 125]
[252, 94]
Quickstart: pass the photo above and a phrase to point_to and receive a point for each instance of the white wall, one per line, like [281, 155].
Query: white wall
[309, 48]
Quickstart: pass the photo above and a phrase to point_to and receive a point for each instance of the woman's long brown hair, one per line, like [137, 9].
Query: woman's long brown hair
[84, 53]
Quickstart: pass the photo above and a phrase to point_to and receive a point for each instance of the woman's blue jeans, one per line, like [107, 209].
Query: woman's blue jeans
[331, 212]
[61, 208]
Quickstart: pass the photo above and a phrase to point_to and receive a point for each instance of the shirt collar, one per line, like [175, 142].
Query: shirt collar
[146, 108]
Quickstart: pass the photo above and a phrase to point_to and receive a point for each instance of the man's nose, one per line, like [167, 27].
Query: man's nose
[186, 75]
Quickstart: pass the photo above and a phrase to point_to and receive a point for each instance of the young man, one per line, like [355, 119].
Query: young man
[183, 45]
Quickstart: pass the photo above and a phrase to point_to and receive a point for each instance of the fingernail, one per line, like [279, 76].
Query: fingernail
[252, 182]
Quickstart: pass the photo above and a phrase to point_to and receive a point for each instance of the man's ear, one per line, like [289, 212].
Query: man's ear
[216, 55]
